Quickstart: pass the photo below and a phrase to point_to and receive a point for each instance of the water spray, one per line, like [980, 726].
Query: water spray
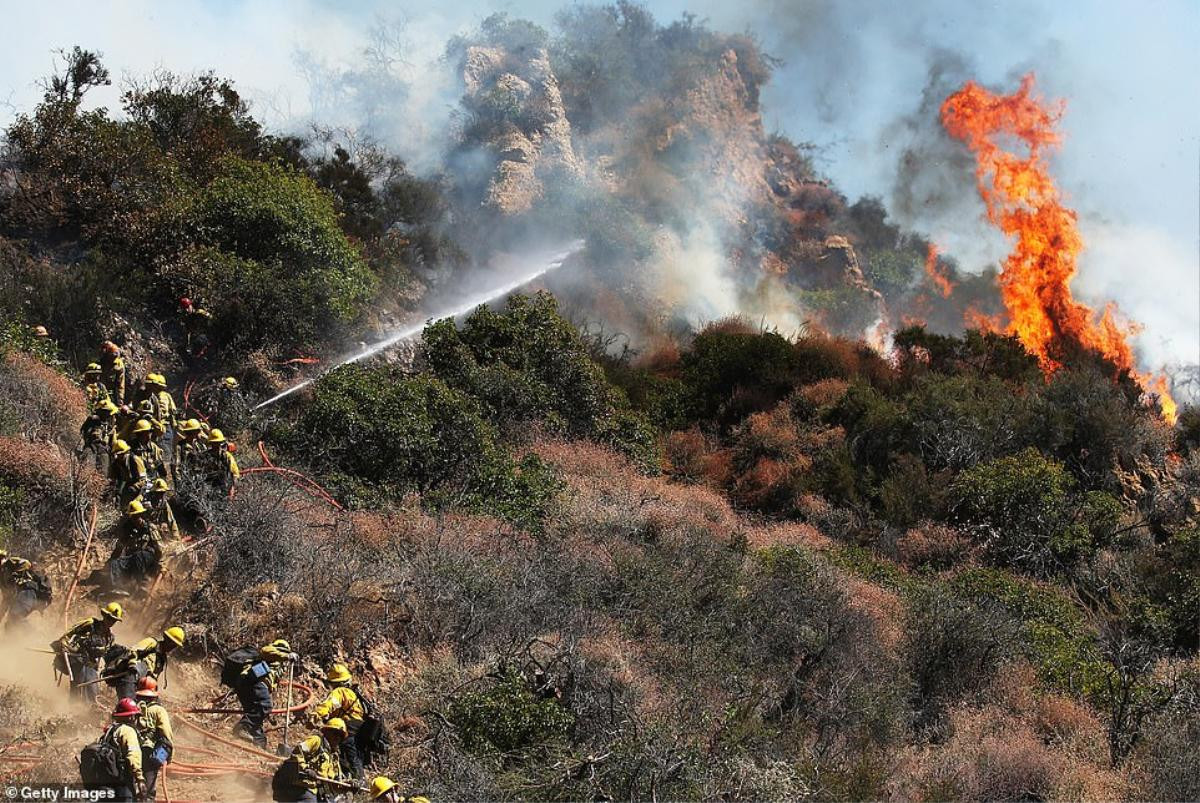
[555, 261]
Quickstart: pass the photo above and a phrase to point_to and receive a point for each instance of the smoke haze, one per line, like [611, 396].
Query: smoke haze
[860, 82]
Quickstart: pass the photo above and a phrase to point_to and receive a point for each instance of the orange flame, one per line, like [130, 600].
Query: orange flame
[1024, 203]
[939, 279]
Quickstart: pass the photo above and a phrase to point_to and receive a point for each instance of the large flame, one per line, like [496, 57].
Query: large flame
[940, 280]
[1024, 203]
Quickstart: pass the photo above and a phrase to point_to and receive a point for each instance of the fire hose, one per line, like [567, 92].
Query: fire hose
[301, 687]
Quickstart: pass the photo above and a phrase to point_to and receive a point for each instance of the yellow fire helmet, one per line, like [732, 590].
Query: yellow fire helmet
[135, 508]
[338, 673]
[380, 786]
[337, 724]
[191, 425]
[142, 425]
[120, 447]
[175, 635]
[230, 383]
[216, 436]
[160, 486]
[114, 611]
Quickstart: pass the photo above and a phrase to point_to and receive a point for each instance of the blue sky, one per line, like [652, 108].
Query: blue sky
[1129, 72]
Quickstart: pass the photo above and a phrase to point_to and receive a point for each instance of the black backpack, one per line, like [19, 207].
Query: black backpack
[235, 663]
[100, 763]
[285, 783]
[372, 737]
[41, 587]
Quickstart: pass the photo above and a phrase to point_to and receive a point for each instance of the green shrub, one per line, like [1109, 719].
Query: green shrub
[1028, 514]
[376, 432]
[507, 717]
[277, 268]
[528, 365]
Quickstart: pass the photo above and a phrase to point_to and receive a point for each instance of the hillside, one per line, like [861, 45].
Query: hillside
[675, 521]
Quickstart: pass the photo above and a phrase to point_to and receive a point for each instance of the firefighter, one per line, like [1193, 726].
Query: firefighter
[146, 659]
[232, 408]
[195, 325]
[98, 430]
[384, 789]
[223, 469]
[163, 403]
[137, 555]
[254, 686]
[113, 364]
[145, 447]
[160, 515]
[313, 764]
[23, 588]
[123, 735]
[93, 389]
[129, 473]
[154, 733]
[347, 703]
[189, 447]
[77, 652]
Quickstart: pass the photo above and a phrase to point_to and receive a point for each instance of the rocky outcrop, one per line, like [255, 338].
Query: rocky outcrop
[518, 114]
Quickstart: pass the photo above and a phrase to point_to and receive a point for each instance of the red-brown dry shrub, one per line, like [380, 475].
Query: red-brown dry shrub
[685, 453]
[823, 394]
[934, 545]
[42, 403]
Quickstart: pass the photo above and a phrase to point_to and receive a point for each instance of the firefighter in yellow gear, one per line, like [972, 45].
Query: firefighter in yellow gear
[154, 733]
[384, 789]
[160, 514]
[145, 447]
[254, 686]
[77, 652]
[122, 734]
[223, 467]
[137, 554]
[113, 365]
[23, 589]
[190, 444]
[347, 703]
[93, 389]
[146, 659]
[306, 774]
[98, 432]
[129, 472]
[162, 400]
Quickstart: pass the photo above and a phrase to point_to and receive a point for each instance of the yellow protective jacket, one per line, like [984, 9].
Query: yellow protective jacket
[151, 454]
[154, 726]
[315, 756]
[188, 452]
[274, 657]
[130, 745]
[149, 651]
[162, 517]
[343, 702]
[164, 407]
[129, 469]
[88, 638]
[94, 392]
[114, 378]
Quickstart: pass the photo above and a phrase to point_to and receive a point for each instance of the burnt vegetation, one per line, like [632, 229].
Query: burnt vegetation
[731, 565]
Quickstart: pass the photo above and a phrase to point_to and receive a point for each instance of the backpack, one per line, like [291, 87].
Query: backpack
[285, 783]
[372, 736]
[235, 663]
[117, 659]
[41, 587]
[100, 763]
